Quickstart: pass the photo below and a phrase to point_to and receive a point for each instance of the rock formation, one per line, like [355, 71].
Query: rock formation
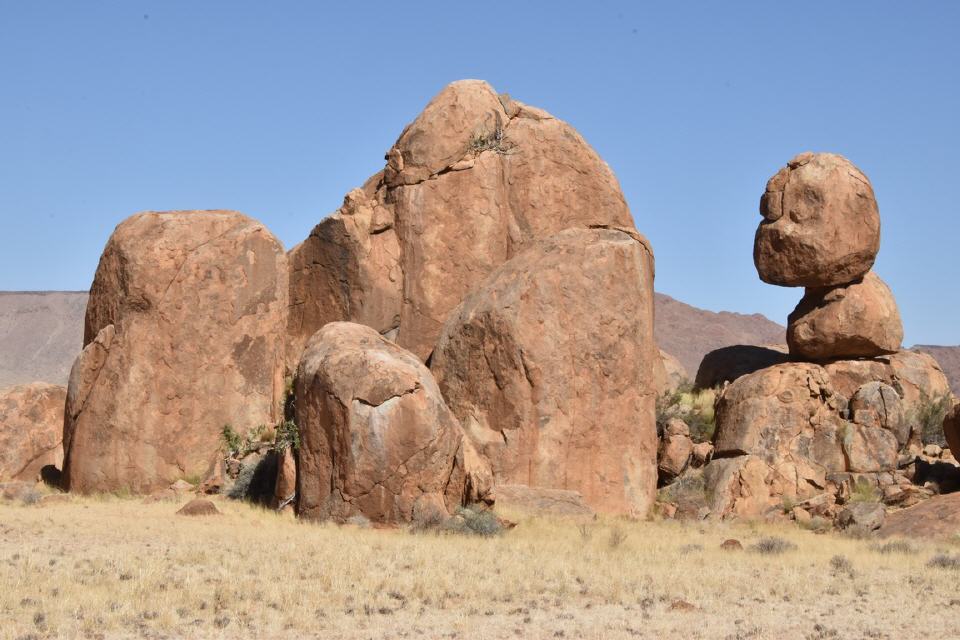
[821, 225]
[472, 181]
[846, 321]
[31, 430]
[549, 365]
[726, 364]
[184, 334]
[376, 438]
[669, 374]
[951, 430]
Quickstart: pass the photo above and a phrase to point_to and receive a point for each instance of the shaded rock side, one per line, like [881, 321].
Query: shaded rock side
[726, 364]
[821, 225]
[549, 364]
[185, 328]
[376, 438]
[475, 178]
[856, 320]
[31, 430]
[951, 430]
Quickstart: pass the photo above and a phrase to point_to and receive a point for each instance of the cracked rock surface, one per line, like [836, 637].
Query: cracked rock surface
[821, 224]
[31, 430]
[377, 439]
[855, 320]
[474, 179]
[549, 364]
[184, 334]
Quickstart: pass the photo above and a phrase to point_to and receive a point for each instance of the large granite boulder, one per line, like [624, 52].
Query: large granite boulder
[821, 224]
[184, 334]
[726, 364]
[669, 373]
[31, 430]
[472, 181]
[376, 438]
[855, 320]
[549, 364]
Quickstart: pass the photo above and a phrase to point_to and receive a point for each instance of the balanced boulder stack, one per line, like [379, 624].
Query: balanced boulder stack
[842, 406]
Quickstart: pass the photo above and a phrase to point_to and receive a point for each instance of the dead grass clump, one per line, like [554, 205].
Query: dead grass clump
[944, 561]
[772, 546]
[841, 565]
[895, 546]
[617, 537]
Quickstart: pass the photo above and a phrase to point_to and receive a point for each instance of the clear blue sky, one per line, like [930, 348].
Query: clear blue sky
[279, 108]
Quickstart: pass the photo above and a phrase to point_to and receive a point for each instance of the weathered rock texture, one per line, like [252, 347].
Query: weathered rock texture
[726, 364]
[951, 430]
[859, 319]
[669, 373]
[821, 224]
[937, 518]
[472, 181]
[376, 438]
[31, 430]
[184, 334]
[783, 430]
[549, 364]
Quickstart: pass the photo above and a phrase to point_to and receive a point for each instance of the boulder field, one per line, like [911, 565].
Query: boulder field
[476, 319]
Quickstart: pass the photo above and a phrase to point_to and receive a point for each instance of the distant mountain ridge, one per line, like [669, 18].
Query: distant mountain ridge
[41, 332]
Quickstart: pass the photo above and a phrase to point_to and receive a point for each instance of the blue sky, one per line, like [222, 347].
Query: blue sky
[277, 109]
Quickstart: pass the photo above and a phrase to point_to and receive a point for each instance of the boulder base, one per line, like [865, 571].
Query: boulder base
[31, 430]
[549, 364]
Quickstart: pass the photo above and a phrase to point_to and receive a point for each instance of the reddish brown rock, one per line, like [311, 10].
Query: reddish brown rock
[726, 364]
[285, 488]
[185, 333]
[673, 455]
[541, 502]
[855, 320]
[31, 430]
[376, 438]
[876, 404]
[782, 431]
[670, 374]
[937, 518]
[549, 364]
[821, 224]
[951, 430]
[348, 268]
[199, 507]
[472, 181]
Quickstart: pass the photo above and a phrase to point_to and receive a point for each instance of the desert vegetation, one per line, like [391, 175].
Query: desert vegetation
[103, 567]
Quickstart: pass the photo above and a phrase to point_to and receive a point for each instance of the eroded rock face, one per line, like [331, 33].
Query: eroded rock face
[184, 334]
[782, 431]
[549, 364]
[31, 430]
[859, 319]
[670, 374]
[376, 438]
[472, 181]
[821, 224]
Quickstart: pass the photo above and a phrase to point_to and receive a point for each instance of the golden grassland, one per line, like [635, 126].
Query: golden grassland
[119, 568]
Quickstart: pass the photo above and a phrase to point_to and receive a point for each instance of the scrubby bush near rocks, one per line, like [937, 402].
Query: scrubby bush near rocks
[772, 546]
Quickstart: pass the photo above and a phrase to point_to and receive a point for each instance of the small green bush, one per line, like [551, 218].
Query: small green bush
[287, 436]
[863, 491]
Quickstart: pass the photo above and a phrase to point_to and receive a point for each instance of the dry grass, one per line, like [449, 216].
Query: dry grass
[105, 568]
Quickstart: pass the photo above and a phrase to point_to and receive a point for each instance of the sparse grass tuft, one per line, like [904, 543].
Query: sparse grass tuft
[895, 546]
[945, 561]
[841, 565]
[863, 491]
[617, 537]
[927, 418]
[772, 546]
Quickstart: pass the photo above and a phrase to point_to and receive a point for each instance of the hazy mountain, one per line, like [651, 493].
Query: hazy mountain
[949, 359]
[689, 333]
[41, 332]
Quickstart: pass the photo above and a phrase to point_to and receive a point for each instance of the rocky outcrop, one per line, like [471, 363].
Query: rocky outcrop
[184, 334]
[951, 430]
[376, 438]
[471, 182]
[785, 430]
[549, 364]
[669, 373]
[855, 320]
[821, 225]
[937, 518]
[31, 430]
[726, 364]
